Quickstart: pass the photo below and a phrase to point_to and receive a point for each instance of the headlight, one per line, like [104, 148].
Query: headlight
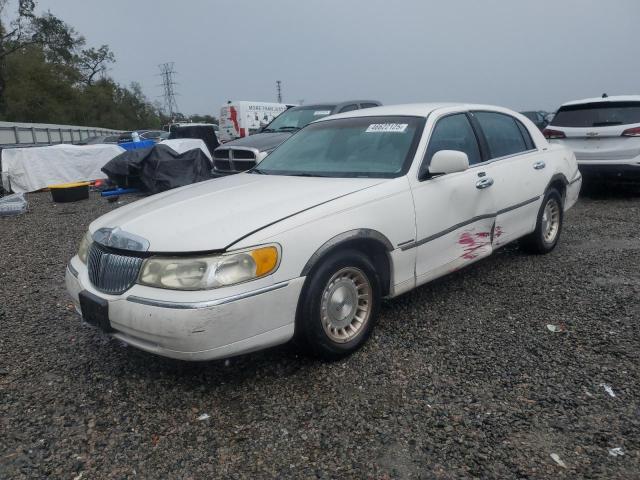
[203, 273]
[83, 249]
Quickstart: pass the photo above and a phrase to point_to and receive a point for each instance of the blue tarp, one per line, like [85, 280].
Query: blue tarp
[137, 145]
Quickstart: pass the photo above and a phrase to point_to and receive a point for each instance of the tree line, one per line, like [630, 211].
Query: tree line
[49, 75]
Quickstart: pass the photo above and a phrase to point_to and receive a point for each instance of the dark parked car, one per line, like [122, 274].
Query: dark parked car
[539, 118]
[204, 131]
[244, 153]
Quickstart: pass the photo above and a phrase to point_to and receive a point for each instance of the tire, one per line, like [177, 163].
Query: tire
[546, 235]
[330, 323]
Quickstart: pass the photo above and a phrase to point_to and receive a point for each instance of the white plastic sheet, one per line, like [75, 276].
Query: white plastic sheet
[31, 169]
[181, 145]
[14, 204]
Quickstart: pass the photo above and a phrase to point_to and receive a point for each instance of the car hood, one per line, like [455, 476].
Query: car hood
[264, 142]
[215, 214]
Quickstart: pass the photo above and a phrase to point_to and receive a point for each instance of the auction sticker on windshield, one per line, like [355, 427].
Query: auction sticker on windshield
[387, 127]
[321, 112]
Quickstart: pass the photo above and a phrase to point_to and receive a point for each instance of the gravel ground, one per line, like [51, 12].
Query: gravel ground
[462, 377]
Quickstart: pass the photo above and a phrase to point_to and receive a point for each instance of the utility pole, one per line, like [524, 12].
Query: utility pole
[279, 90]
[167, 73]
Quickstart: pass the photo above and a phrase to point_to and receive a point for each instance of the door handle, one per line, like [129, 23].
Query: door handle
[484, 182]
[539, 165]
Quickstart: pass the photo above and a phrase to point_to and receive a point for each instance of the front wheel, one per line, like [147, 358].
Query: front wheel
[339, 305]
[548, 225]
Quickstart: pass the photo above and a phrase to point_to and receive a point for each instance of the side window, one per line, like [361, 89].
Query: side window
[368, 105]
[454, 132]
[526, 135]
[502, 133]
[348, 108]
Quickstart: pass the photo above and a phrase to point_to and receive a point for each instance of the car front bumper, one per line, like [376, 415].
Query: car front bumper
[204, 330]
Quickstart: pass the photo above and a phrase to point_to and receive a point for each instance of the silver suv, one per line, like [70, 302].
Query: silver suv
[604, 134]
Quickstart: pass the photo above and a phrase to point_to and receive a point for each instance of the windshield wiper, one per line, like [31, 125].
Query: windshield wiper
[267, 130]
[257, 171]
[305, 174]
[286, 129]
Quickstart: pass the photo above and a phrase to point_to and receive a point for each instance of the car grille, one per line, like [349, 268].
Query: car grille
[221, 153]
[111, 272]
[230, 160]
[243, 154]
[242, 165]
[224, 165]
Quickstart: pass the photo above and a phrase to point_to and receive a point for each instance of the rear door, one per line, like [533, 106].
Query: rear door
[599, 132]
[519, 172]
[454, 212]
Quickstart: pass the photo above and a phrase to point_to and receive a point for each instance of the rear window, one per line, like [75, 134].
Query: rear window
[600, 114]
[502, 133]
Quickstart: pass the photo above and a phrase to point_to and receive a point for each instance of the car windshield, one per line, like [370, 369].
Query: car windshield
[298, 117]
[599, 114]
[374, 147]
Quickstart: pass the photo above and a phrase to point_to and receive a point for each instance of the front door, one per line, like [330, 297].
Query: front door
[455, 212]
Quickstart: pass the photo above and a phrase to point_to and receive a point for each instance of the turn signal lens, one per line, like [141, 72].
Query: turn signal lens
[551, 134]
[83, 249]
[266, 260]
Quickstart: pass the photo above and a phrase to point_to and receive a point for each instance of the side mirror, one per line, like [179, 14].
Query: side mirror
[448, 161]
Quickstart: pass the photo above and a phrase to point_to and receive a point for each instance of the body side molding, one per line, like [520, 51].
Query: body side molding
[422, 241]
[204, 304]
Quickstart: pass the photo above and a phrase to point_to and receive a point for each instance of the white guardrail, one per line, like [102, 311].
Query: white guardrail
[14, 134]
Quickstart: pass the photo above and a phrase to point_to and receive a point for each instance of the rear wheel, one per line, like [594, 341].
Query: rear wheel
[548, 226]
[339, 305]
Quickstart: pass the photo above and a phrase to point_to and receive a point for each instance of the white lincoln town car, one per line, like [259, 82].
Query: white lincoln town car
[353, 208]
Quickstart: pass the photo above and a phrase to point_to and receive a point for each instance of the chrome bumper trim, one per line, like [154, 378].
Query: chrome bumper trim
[72, 270]
[578, 177]
[205, 304]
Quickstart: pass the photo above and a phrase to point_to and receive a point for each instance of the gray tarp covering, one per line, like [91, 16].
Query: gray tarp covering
[158, 168]
[30, 169]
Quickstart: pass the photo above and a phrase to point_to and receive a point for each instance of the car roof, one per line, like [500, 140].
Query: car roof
[335, 104]
[194, 124]
[612, 98]
[413, 110]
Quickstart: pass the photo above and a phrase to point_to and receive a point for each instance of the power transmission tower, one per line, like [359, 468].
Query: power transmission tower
[279, 90]
[167, 72]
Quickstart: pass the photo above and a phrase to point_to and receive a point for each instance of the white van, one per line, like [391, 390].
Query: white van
[242, 118]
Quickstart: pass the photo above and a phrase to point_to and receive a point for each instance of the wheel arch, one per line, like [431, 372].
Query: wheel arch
[560, 183]
[370, 242]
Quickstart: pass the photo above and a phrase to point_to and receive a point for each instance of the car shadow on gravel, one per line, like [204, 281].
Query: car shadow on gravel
[278, 362]
[286, 360]
[605, 189]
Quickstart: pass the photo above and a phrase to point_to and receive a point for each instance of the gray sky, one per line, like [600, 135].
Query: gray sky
[531, 54]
